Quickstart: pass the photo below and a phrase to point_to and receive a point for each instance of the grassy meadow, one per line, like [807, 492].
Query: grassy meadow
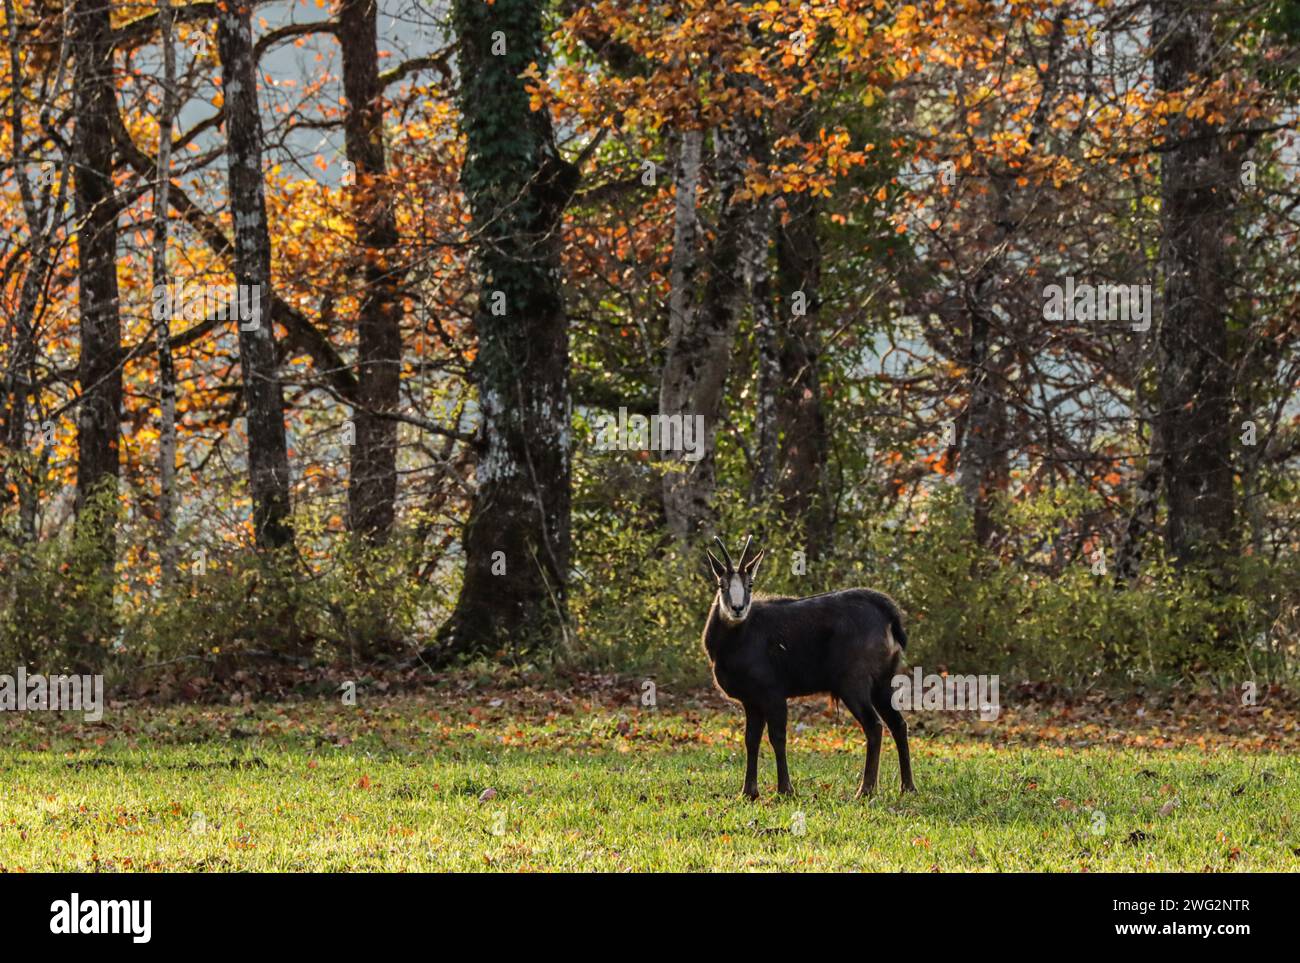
[523, 780]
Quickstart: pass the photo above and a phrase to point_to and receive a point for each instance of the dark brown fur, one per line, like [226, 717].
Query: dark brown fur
[846, 644]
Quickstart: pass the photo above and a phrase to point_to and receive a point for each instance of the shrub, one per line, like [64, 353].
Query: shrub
[1033, 610]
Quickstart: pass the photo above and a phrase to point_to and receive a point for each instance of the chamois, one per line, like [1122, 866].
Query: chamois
[766, 650]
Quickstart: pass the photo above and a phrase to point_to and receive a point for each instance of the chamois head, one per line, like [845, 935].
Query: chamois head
[735, 582]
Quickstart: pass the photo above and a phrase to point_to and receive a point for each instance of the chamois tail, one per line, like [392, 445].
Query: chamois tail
[896, 626]
[891, 610]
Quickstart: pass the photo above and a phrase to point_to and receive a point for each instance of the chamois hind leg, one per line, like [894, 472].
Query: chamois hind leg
[753, 737]
[776, 715]
[882, 697]
[866, 715]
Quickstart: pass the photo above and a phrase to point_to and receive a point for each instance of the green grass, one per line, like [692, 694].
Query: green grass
[591, 785]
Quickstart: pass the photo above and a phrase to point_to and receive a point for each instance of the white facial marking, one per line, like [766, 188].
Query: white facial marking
[737, 592]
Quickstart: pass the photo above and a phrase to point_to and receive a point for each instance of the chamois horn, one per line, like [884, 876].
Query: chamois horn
[744, 551]
[725, 554]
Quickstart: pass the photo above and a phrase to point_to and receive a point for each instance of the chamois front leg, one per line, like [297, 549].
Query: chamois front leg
[753, 736]
[776, 714]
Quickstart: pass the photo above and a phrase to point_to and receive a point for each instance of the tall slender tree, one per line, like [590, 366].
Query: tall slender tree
[42, 202]
[372, 486]
[982, 468]
[268, 459]
[163, 329]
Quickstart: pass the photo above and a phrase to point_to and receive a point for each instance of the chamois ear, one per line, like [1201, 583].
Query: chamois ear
[751, 567]
[719, 570]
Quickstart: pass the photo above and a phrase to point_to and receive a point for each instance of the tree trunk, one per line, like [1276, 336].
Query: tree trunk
[758, 285]
[16, 463]
[801, 485]
[701, 335]
[679, 504]
[1195, 374]
[21, 463]
[372, 485]
[1141, 521]
[40, 210]
[268, 459]
[756, 269]
[516, 540]
[982, 465]
[163, 328]
[99, 368]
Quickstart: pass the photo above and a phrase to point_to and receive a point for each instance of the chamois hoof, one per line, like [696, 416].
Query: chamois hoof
[865, 792]
[750, 793]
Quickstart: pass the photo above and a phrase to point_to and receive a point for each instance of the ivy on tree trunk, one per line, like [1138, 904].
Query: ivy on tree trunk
[517, 539]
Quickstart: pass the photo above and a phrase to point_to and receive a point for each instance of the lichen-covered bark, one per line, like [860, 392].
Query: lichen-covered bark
[268, 458]
[680, 497]
[701, 334]
[1195, 372]
[517, 540]
[372, 485]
